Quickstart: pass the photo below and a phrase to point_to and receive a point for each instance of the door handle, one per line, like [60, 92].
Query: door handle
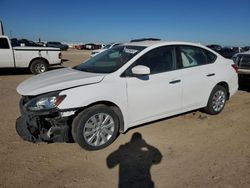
[175, 81]
[212, 74]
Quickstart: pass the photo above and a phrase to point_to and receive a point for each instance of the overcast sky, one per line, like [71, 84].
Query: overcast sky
[225, 22]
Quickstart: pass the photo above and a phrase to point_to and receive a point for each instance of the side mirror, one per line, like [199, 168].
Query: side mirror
[141, 70]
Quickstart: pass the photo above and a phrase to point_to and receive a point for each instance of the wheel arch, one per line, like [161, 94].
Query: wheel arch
[112, 105]
[39, 58]
[226, 86]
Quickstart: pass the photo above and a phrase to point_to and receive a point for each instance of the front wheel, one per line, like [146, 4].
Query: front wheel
[95, 127]
[217, 100]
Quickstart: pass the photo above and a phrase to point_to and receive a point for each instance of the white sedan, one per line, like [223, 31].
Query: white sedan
[125, 86]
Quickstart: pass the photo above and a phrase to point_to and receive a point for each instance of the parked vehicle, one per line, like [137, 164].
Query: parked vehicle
[145, 39]
[228, 52]
[37, 59]
[57, 45]
[125, 86]
[215, 47]
[23, 42]
[40, 43]
[89, 46]
[243, 62]
[246, 48]
[14, 42]
[106, 47]
[92, 46]
[80, 47]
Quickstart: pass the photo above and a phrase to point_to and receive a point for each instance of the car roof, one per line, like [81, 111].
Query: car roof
[244, 53]
[160, 43]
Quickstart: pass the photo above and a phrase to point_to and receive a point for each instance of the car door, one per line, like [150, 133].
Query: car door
[6, 53]
[156, 95]
[198, 75]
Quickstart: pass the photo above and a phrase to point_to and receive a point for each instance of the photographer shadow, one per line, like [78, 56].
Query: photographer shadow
[135, 159]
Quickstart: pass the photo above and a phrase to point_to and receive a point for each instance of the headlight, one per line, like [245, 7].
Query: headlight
[44, 103]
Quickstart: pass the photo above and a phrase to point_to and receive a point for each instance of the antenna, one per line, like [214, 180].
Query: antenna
[1, 28]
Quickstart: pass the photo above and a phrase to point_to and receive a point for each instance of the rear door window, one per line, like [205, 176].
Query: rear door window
[190, 56]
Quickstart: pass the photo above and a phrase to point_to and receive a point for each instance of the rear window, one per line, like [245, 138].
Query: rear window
[4, 43]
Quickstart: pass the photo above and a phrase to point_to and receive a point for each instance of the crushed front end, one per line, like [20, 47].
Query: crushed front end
[49, 125]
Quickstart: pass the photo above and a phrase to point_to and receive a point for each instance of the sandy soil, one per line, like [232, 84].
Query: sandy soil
[190, 150]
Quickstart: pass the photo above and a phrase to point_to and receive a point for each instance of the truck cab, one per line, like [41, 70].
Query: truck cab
[6, 53]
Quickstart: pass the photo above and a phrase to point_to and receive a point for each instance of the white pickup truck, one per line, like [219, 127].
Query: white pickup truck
[37, 59]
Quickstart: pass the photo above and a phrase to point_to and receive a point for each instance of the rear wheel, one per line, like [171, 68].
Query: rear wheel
[95, 127]
[38, 66]
[217, 100]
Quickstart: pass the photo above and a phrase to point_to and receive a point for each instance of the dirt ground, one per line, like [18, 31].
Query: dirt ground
[190, 150]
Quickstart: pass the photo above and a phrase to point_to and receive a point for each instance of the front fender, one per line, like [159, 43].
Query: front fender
[80, 97]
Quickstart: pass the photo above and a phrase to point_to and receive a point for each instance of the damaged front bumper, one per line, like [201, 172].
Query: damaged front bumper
[49, 126]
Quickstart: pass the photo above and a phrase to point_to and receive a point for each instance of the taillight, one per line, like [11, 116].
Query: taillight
[60, 55]
[235, 66]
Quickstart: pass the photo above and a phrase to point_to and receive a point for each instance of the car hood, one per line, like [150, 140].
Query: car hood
[57, 80]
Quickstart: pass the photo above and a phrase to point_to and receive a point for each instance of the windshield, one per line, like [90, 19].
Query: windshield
[110, 60]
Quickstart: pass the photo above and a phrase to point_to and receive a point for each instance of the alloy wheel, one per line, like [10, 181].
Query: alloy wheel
[218, 100]
[98, 129]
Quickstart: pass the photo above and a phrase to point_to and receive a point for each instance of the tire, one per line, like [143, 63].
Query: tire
[95, 127]
[38, 66]
[217, 100]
